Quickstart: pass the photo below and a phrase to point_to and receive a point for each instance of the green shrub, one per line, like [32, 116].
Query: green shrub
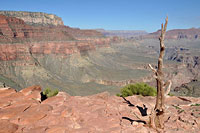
[170, 94]
[49, 93]
[138, 89]
[196, 104]
[118, 94]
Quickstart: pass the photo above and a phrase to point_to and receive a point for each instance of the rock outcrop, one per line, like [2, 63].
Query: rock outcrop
[14, 30]
[25, 49]
[23, 112]
[189, 89]
[35, 18]
[122, 33]
[192, 33]
[19, 39]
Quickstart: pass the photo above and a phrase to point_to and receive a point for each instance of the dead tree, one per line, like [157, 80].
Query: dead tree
[157, 114]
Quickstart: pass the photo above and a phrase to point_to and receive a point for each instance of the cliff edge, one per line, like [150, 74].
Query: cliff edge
[35, 18]
[24, 112]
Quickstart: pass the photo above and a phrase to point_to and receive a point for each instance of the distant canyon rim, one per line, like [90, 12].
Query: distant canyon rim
[37, 48]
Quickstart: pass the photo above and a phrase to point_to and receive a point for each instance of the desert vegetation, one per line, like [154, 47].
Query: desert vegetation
[196, 104]
[137, 89]
[50, 92]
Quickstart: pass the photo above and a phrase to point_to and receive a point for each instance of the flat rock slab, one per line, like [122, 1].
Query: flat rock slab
[7, 127]
[22, 113]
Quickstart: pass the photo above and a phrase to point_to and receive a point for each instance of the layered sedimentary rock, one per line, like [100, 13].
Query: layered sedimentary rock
[73, 60]
[122, 33]
[34, 18]
[18, 39]
[25, 49]
[14, 30]
[192, 33]
[24, 111]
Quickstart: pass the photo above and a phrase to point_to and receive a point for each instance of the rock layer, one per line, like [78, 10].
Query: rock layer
[35, 18]
[192, 33]
[96, 113]
[14, 30]
[24, 51]
[19, 39]
[32, 53]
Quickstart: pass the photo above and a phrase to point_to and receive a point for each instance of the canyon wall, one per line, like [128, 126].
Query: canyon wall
[18, 37]
[122, 33]
[35, 18]
[14, 30]
[83, 62]
[37, 53]
[193, 33]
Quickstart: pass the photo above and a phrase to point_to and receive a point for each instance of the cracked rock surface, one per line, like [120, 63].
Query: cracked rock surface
[23, 112]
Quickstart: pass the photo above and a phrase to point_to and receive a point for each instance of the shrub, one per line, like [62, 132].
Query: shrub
[197, 104]
[138, 89]
[49, 93]
[118, 94]
[170, 94]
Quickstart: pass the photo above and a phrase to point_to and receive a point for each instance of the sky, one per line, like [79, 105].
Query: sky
[115, 14]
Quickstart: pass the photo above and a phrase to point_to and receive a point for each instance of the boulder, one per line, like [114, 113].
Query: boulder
[57, 100]
[32, 92]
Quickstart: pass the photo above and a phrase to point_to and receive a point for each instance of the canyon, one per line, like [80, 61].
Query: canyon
[36, 48]
[192, 33]
[35, 18]
[28, 46]
[122, 33]
[89, 67]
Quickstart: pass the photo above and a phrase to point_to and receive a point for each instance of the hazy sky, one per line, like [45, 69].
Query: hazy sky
[115, 14]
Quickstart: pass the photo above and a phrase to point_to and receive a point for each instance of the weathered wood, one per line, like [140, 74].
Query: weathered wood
[169, 84]
[157, 115]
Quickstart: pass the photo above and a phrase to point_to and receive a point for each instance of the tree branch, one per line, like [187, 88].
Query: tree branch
[169, 87]
[153, 69]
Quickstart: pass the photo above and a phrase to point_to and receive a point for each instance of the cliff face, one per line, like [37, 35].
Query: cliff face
[17, 39]
[35, 18]
[14, 30]
[25, 49]
[22, 51]
[122, 33]
[192, 33]
[67, 58]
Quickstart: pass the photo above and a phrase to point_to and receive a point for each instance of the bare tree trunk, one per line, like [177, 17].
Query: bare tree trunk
[157, 115]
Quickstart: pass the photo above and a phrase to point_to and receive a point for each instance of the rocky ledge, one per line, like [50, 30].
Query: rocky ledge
[35, 18]
[24, 111]
[192, 33]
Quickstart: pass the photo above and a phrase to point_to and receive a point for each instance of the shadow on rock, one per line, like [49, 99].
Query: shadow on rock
[43, 97]
[131, 120]
[143, 110]
[128, 102]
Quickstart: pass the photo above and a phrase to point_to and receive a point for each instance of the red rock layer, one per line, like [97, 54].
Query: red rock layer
[23, 51]
[18, 40]
[16, 30]
[192, 33]
[35, 18]
[24, 112]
